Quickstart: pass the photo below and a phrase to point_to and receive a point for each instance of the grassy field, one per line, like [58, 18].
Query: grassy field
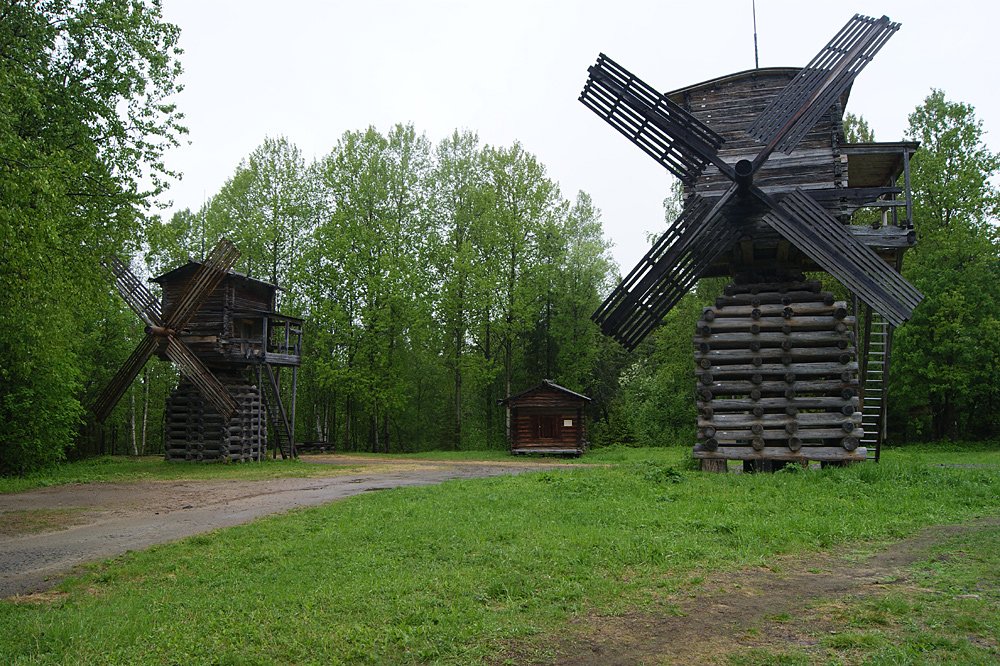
[121, 468]
[463, 571]
[125, 468]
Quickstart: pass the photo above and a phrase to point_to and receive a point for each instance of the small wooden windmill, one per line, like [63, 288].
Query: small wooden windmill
[222, 332]
[770, 185]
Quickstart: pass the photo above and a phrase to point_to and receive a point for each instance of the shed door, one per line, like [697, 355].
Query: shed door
[545, 426]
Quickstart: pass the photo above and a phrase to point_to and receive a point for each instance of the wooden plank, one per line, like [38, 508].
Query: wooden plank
[716, 357]
[763, 298]
[820, 453]
[806, 419]
[804, 434]
[769, 339]
[811, 308]
[721, 405]
[819, 369]
[784, 324]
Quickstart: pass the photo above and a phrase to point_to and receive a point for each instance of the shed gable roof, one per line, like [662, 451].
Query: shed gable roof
[546, 384]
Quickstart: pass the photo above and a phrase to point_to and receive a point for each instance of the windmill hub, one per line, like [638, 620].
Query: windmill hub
[744, 175]
[160, 331]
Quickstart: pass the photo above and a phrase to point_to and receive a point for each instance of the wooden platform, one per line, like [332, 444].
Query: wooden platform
[576, 453]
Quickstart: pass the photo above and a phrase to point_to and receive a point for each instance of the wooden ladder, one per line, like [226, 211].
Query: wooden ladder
[276, 412]
[874, 381]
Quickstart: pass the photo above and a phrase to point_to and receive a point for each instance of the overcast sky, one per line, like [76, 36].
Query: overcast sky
[513, 70]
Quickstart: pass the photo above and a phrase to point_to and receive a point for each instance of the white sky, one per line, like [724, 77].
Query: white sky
[513, 70]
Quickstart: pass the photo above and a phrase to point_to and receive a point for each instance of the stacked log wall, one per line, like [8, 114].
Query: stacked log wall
[196, 432]
[777, 375]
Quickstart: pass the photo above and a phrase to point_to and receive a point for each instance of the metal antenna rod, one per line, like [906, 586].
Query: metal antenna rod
[756, 60]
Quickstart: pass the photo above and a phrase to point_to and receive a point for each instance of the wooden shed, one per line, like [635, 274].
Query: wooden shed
[547, 418]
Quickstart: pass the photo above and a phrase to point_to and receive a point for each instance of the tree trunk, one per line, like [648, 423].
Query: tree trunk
[131, 420]
[145, 409]
[457, 431]
[348, 415]
[487, 352]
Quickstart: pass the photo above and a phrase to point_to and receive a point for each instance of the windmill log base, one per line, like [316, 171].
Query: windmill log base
[196, 432]
[777, 374]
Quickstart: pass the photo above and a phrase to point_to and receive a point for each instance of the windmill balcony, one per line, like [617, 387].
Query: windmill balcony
[266, 337]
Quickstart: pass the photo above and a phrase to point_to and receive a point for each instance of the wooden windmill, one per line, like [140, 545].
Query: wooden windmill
[222, 332]
[770, 186]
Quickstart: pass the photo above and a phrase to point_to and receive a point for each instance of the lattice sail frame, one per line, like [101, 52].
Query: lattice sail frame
[684, 146]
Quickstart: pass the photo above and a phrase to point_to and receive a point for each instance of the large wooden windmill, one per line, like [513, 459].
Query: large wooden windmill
[770, 186]
[222, 332]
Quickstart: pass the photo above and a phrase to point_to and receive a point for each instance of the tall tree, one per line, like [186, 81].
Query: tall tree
[943, 380]
[84, 120]
[265, 209]
[459, 206]
[523, 200]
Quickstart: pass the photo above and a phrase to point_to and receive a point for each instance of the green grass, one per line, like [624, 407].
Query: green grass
[947, 453]
[950, 615]
[948, 612]
[120, 468]
[123, 468]
[106, 469]
[453, 573]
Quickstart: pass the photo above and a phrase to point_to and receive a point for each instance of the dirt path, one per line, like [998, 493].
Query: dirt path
[783, 605]
[45, 533]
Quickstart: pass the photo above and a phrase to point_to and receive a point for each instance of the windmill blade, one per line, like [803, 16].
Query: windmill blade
[670, 135]
[208, 276]
[134, 292]
[798, 107]
[829, 243]
[668, 271]
[199, 375]
[116, 388]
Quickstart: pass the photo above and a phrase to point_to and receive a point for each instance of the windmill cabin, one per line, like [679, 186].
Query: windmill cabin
[784, 371]
[547, 418]
[222, 331]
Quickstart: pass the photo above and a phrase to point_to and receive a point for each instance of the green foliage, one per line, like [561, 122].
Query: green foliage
[657, 406]
[84, 120]
[411, 575]
[433, 280]
[857, 130]
[943, 382]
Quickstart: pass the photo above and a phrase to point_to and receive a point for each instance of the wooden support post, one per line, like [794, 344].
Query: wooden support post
[711, 465]
[906, 189]
[291, 425]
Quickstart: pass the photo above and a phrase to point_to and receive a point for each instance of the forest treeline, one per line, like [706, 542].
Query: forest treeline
[433, 277]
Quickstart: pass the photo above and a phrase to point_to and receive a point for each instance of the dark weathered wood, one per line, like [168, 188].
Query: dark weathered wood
[780, 420]
[775, 359]
[790, 428]
[793, 113]
[777, 309]
[547, 418]
[821, 453]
